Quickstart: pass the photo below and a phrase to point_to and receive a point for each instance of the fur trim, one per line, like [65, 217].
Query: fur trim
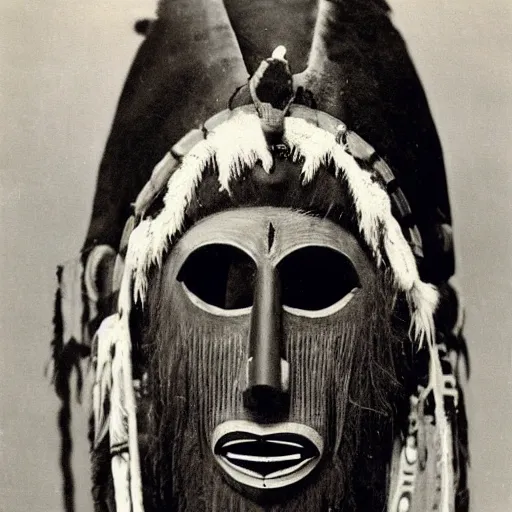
[247, 146]
[318, 147]
[104, 341]
[379, 228]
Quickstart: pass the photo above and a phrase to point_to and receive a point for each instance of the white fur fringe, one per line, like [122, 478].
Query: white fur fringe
[237, 144]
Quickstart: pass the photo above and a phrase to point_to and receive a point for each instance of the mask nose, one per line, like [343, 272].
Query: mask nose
[266, 395]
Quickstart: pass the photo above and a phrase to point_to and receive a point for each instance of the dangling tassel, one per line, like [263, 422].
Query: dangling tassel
[443, 432]
[58, 323]
[421, 475]
[104, 340]
[62, 387]
[404, 465]
[67, 354]
[118, 427]
[124, 308]
[422, 299]
[113, 391]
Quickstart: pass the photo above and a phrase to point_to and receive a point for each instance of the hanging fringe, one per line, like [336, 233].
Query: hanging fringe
[57, 342]
[118, 425]
[104, 341]
[422, 474]
[443, 430]
[61, 382]
[114, 405]
[89, 309]
[67, 354]
[66, 447]
[75, 306]
[73, 300]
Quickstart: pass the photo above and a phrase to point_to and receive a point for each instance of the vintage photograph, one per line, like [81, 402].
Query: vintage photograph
[256, 256]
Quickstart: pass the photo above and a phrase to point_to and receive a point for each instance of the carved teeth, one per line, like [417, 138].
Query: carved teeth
[288, 443]
[259, 458]
[271, 476]
[238, 441]
[288, 471]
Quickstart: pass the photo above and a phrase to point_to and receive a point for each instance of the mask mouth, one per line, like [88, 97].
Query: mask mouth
[266, 456]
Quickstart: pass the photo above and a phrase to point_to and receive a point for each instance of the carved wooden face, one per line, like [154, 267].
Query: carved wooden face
[265, 316]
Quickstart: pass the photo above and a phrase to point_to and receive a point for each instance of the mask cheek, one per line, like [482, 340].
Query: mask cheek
[322, 354]
[216, 357]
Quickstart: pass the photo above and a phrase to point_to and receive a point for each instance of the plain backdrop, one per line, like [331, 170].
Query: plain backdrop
[62, 66]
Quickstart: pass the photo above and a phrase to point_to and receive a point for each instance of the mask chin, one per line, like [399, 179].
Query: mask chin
[260, 460]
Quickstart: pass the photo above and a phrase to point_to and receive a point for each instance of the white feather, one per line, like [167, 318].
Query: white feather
[371, 201]
[139, 244]
[118, 415]
[239, 144]
[118, 427]
[122, 425]
[310, 142]
[120, 473]
[236, 144]
[399, 255]
[422, 299]
[130, 421]
[105, 339]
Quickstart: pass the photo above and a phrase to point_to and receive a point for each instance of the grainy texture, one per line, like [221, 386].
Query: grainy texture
[64, 67]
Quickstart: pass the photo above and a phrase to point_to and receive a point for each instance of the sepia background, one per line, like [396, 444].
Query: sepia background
[63, 63]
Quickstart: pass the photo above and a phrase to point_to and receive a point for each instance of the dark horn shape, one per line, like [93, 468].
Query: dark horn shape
[185, 71]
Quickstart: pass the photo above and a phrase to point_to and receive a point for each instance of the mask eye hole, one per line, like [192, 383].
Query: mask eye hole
[316, 280]
[220, 275]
